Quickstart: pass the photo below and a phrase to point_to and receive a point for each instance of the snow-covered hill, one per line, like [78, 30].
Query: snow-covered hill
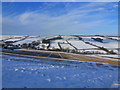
[77, 44]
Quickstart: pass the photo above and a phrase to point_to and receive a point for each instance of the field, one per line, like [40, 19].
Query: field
[87, 44]
[60, 61]
[30, 72]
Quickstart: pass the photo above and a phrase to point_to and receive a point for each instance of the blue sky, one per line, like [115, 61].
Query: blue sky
[60, 18]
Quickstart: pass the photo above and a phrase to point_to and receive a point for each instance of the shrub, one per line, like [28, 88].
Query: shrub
[98, 39]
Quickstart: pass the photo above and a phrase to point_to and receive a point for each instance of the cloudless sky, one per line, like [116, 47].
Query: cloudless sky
[65, 18]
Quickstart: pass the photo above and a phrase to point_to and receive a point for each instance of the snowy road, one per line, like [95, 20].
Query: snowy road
[20, 72]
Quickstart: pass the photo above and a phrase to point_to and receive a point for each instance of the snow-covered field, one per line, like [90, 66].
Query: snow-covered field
[117, 38]
[107, 43]
[66, 46]
[70, 38]
[29, 72]
[63, 44]
[80, 44]
[13, 39]
[111, 56]
[2, 37]
[86, 45]
[28, 40]
[95, 51]
[54, 44]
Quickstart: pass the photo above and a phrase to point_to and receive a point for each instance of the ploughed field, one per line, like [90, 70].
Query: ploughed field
[63, 55]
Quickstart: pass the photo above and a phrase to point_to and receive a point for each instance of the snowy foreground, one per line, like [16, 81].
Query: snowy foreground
[30, 72]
